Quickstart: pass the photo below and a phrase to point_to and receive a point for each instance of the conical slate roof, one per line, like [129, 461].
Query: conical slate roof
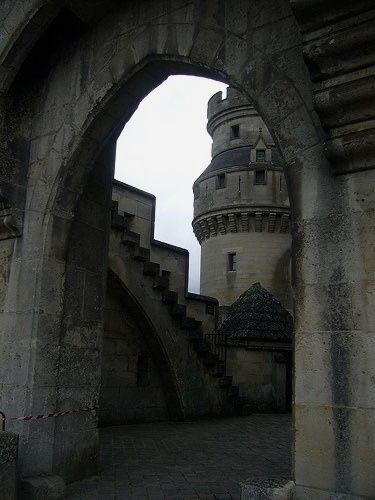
[257, 315]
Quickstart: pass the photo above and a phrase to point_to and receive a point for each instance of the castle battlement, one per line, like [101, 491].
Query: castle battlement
[218, 103]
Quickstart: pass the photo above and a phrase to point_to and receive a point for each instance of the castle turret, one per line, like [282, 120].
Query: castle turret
[241, 206]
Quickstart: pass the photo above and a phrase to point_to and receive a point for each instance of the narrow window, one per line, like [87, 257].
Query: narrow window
[260, 177]
[143, 375]
[196, 191]
[260, 155]
[232, 261]
[220, 181]
[281, 183]
[235, 132]
[210, 308]
[239, 183]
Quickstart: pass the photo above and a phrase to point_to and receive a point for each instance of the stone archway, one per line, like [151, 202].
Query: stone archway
[74, 116]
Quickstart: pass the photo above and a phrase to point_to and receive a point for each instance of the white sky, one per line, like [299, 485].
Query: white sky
[163, 149]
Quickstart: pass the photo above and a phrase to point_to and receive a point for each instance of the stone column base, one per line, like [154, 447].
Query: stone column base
[267, 488]
[42, 487]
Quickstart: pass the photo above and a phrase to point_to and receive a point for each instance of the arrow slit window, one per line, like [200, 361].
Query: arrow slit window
[232, 261]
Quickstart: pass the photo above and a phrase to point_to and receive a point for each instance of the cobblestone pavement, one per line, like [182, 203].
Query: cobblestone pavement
[204, 459]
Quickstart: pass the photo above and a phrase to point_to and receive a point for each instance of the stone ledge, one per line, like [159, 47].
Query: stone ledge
[267, 488]
[271, 221]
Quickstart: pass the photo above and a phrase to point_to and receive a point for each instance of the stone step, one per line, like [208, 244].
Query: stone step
[244, 409]
[188, 323]
[178, 310]
[241, 401]
[226, 381]
[151, 268]
[211, 359]
[202, 348]
[161, 282]
[170, 297]
[142, 254]
[119, 222]
[219, 369]
[233, 391]
[195, 336]
[131, 239]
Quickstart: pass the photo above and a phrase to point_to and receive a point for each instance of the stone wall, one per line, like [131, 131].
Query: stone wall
[139, 209]
[261, 257]
[131, 388]
[261, 376]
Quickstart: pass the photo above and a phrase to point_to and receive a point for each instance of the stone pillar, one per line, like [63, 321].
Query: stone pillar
[334, 344]
[51, 330]
[334, 241]
[76, 445]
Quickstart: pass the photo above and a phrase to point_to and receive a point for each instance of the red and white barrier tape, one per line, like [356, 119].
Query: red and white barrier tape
[47, 415]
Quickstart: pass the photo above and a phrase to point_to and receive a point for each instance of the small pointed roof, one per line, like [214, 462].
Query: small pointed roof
[257, 315]
[260, 142]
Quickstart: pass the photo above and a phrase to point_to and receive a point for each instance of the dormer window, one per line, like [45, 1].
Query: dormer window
[235, 132]
[260, 155]
[260, 176]
[220, 181]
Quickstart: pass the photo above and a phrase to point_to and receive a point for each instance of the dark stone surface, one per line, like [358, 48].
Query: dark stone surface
[46, 487]
[257, 315]
[8, 465]
[204, 459]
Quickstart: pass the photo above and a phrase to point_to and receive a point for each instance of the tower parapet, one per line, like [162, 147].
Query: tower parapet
[218, 103]
[233, 122]
[241, 205]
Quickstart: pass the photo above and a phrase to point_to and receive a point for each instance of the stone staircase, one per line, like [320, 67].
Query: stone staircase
[191, 315]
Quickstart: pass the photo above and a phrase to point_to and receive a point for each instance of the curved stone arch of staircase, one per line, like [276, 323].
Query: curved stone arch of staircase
[200, 392]
[150, 335]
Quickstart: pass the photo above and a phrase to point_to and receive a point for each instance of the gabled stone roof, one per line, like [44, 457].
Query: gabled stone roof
[257, 315]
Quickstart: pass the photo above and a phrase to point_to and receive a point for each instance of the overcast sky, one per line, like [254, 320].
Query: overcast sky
[163, 149]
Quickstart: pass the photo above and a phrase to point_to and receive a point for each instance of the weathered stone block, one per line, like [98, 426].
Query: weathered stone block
[264, 489]
[76, 452]
[87, 246]
[42, 487]
[8, 465]
[206, 46]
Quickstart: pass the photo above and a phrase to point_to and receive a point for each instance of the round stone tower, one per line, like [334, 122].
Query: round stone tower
[241, 206]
